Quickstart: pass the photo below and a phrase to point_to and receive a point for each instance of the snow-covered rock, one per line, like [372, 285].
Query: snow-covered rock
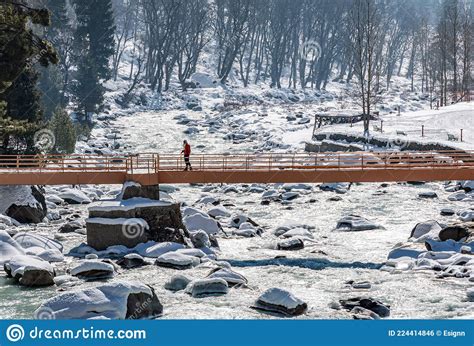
[198, 222]
[289, 196]
[219, 212]
[231, 277]
[117, 300]
[54, 199]
[406, 251]
[293, 243]
[356, 223]
[271, 195]
[335, 187]
[9, 247]
[177, 283]
[208, 200]
[425, 230]
[8, 221]
[200, 239]
[238, 219]
[30, 270]
[192, 252]
[466, 215]
[74, 196]
[298, 232]
[277, 300]
[207, 287]
[155, 250]
[30, 239]
[49, 255]
[131, 260]
[90, 270]
[188, 211]
[246, 233]
[176, 260]
[428, 194]
[298, 186]
[25, 204]
[377, 307]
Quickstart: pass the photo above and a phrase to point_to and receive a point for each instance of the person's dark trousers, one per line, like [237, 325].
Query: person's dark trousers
[188, 164]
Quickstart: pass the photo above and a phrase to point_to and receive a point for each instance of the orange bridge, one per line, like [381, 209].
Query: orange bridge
[151, 169]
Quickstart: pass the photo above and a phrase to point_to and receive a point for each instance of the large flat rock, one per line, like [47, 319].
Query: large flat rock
[105, 232]
[163, 218]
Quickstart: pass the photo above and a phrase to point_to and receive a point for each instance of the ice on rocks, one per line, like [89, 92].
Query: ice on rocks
[154, 250]
[30, 239]
[177, 283]
[425, 230]
[218, 212]
[117, 300]
[280, 301]
[177, 260]
[30, 270]
[74, 196]
[356, 223]
[9, 247]
[207, 287]
[199, 221]
[231, 277]
[93, 270]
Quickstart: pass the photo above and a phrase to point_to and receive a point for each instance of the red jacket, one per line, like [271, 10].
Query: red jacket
[187, 150]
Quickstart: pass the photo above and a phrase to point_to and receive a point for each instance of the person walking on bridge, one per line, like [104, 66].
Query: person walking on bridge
[187, 152]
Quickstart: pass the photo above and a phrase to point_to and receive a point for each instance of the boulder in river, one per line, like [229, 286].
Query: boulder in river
[207, 287]
[135, 190]
[9, 247]
[277, 300]
[356, 223]
[25, 204]
[231, 277]
[176, 260]
[91, 270]
[455, 232]
[292, 244]
[205, 223]
[131, 260]
[163, 218]
[116, 300]
[373, 305]
[177, 283]
[428, 195]
[30, 239]
[74, 196]
[30, 271]
[425, 230]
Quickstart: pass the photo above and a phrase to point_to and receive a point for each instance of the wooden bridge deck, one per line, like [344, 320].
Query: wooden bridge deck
[150, 169]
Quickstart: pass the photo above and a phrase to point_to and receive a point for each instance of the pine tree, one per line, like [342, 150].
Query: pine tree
[94, 44]
[54, 80]
[19, 45]
[20, 49]
[64, 132]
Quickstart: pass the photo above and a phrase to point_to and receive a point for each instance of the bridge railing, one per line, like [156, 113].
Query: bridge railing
[275, 161]
[150, 163]
[63, 163]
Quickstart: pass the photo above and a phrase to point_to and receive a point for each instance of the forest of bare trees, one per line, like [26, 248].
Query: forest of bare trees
[364, 41]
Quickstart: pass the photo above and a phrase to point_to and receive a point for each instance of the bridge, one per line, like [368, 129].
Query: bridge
[152, 169]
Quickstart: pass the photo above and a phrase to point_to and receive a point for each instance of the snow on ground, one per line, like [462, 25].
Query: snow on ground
[260, 119]
[437, 125]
